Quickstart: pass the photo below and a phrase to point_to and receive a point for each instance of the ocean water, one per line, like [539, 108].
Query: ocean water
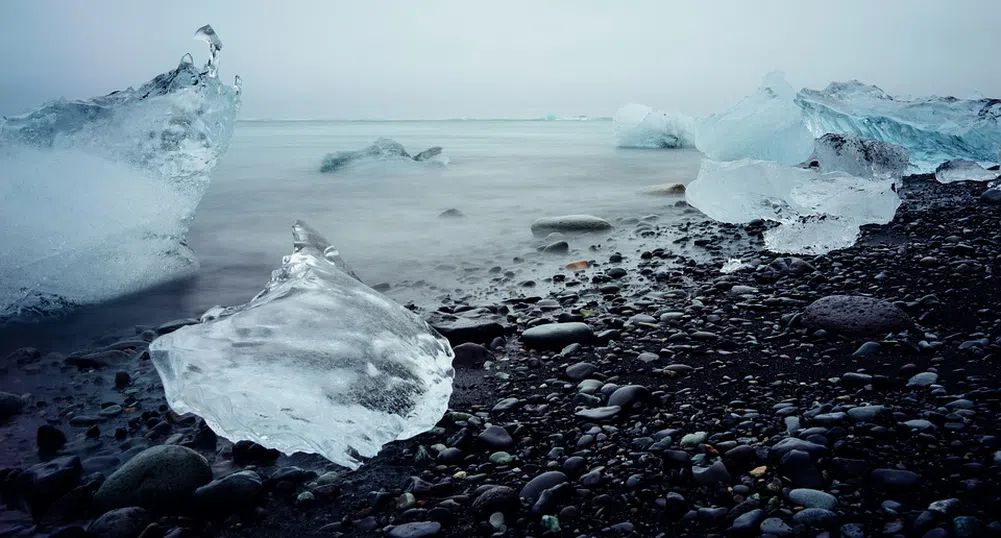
[384, 217]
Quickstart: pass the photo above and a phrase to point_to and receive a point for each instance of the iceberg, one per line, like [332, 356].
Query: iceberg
[933, 129]
[962, 170]
[639, 126]
[817, 212]
[765, 126]
[98, 193]
[317, 362]
[862, 158]
[383, 149]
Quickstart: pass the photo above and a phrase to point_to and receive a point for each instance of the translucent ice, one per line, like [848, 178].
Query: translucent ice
[639, 126]
[933, 129]
[960, 170]
[98, 193]
[858, 157]
[318, 362]
[817, 212]
[383, 149]
[767, 125]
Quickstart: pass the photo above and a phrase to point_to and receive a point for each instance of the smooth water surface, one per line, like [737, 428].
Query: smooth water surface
[383, 217]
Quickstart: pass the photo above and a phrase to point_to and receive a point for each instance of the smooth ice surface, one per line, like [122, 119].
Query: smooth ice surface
[933, 129]
[97, 194]
[961, 170]
[767, 126]
[318, 362]
[858, 157]
[382, 150]
[639, 126]
[818, 212]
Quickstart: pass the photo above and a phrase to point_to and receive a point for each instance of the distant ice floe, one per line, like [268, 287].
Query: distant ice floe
[639, 126]
[317, 362]
[382, 150]
[98, 193]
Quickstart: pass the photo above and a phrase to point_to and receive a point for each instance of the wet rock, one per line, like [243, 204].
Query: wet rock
[894, 479]
[799, 468]
[580, 371]
[496, 499]
[557, 335]
[748, 522]
[121, 523]
[559, 247]
[495, 437]
[599, 413]
[570, 224]
[250, 453]
[711, 475]
[417, 529]
[10, 405]
[238, 492]
[537, 485]
[160, 478]
[811, 498]
[452, 213]
[480, 330]
[854, 314]
[42, 484]
[815, 517]
[470, 354]
[629, 396]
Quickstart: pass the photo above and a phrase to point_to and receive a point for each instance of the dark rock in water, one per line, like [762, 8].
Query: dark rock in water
[238, 492]
[428, 153]
[381, 150]
[120, 523]
[894, 479]
[557, 335]
[470, 354]
[495, 437]
[991, 196]
[122, 379]
[854, 314]
[559, 247]
[496, 499]
[570, 224]
[161, 478]
[451, 214]
[10, 405]
[42, 484]
[250, 453]
[49, 439]
[461, 330]
[418, 529]
[540, 483]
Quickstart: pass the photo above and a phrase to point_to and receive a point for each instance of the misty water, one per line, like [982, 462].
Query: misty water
[384, 217]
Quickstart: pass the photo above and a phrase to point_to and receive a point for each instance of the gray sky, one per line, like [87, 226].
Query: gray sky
[515, 58]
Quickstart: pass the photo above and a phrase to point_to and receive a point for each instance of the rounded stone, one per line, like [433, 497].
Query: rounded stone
[854, 314]
[160, 478]
[540, 483]
[121, 523]
[570, 224]
[557, 335]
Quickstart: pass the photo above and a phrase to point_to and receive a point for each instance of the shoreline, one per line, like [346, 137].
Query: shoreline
[731, 361]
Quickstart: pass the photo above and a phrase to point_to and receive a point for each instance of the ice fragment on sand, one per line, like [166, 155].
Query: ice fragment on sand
[961, 170]
[818, 212]
[318, 362]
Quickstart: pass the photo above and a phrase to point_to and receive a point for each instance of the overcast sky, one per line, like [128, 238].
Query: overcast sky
[481, 58]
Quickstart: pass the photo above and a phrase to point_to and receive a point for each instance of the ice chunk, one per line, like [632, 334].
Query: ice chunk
[383, 149]
[639, 126]
[767, 126]
[98, 193]
[961, 170]
[733, 265]
[318, 362]
[933, 129]
[858, 157]
[818, 212]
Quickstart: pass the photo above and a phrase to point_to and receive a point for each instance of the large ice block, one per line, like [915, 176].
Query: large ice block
[818, 212]
[318, 362]
[97, 194]
[767, 126]
[933, 129]
[639, 126]
[859, 157]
